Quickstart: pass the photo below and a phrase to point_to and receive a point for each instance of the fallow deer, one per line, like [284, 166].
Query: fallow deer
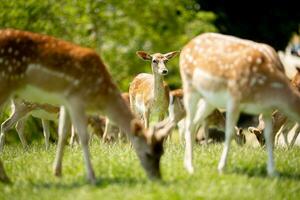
[43, 69]
[281, 124]
[215, 120]
[290, 58]
[149, 94]
[20, 111]
[220, 71]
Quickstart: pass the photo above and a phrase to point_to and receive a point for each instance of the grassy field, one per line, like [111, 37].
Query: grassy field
[120, 176]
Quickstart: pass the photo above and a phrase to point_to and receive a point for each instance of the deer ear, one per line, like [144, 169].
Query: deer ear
[238, 130]
[170, 55]
[162, 130]
[254, 130]
[144, 55]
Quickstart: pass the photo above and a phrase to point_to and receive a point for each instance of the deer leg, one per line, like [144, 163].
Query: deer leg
[46, 131]
[3, 177]
[79, 120]
[63, 126]
[205, 133]
[193, 102]
[295, 135]
[20, 130]
[108, 132]
[146, 115]
[232, 116]
[73, 136]
[285, 137]
[181, 130]
[269, 144]
[8, 124]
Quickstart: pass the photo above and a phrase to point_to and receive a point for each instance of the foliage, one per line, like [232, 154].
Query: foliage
[116, 29]
[120, 175]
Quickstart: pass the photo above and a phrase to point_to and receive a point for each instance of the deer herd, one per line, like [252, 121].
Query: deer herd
[222, 76]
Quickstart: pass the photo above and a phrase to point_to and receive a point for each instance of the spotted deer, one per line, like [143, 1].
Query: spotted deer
[149, 94]
[290, 58]
[215, 120]
[20, 111]
[281, 124]
[220, 71]
[43, 69]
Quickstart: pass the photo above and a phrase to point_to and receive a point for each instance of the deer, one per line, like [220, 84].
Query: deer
[20, 111]
[44, 69]
[148, 93]
[238, 75]
[281, 123]
[215, 120]
[291, 56]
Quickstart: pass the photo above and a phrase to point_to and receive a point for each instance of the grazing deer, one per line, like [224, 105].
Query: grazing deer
[220, 71]
[20, 111]
[43, 69]
[281, 124]
[149, 94]
[215, 120]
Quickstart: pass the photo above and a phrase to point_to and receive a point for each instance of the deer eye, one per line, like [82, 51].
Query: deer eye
[166, 61]
[155, 61]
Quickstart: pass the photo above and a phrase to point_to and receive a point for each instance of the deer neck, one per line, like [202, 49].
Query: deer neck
[158, 86]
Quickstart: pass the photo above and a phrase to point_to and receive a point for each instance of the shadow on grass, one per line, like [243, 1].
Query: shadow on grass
[260, 171]
[102, 182]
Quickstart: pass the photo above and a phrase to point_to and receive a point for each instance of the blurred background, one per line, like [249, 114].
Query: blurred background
[117, 29]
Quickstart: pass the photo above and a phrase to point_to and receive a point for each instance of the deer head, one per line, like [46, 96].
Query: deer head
[158, 61]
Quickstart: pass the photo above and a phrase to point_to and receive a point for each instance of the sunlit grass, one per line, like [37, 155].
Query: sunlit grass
[120, 176]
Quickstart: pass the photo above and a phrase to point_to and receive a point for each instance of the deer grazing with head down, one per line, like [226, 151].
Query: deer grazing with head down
[20, 111]
[215, 120]
[149, 94]
[282, 125]
[40, 68]
[220, 71]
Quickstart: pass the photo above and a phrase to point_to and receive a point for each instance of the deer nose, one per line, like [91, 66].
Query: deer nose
[164, 71]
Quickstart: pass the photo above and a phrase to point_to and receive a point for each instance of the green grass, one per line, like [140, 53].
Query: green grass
[120, 176]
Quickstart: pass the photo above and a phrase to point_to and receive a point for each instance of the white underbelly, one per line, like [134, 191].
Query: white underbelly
[220, 99]
[217, 99]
